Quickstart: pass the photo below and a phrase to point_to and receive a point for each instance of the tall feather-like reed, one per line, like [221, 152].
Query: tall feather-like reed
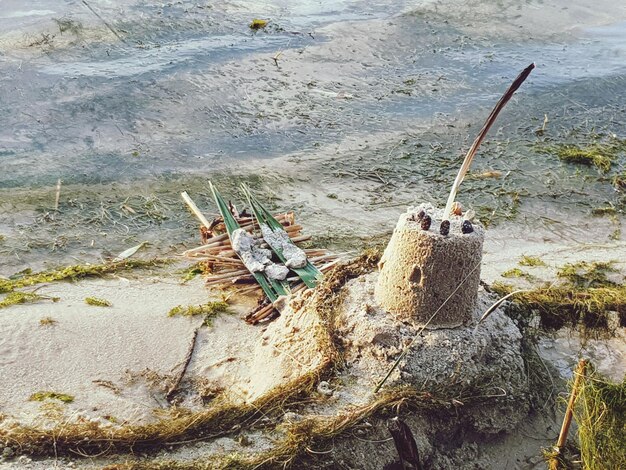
[508, 94]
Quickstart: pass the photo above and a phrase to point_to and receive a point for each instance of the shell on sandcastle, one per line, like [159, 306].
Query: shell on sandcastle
[429, 278]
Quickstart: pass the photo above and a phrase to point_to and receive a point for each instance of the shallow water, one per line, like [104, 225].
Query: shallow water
[368, 108]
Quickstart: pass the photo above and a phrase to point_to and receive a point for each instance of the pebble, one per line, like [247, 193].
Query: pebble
[292, 417]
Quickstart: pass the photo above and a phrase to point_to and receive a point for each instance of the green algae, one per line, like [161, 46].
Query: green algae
[47, 321]
[558, 307]
[602, 155]
[79, 271]
[48, 395]
[192, 271]
[210, 310]
[606, 210]
[97, 302]
[600, 414]
[531, 261]
[585, 274]
[15, 298]
[518, 273]
[584, 296]
[257, 24]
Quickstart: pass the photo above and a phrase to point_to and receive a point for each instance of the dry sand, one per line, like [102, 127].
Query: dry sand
[118, 362]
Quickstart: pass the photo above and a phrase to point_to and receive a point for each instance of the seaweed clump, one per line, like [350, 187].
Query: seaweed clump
[600, 413]
[584, 274]
[193, 271]
[74, 272]
[585, 298]
[47, 395]
[257, 24]
[600, 155]
[517, 272]
[14, 298]
[209, 310]
[531, 261]
[97, 302]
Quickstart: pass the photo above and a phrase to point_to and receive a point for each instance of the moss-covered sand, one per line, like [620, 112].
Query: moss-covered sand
[585, 296]
[75, 272]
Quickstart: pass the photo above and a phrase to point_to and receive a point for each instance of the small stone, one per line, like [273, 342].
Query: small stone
[444, 228]
[467, 227]
[425, 222]
[417, 217]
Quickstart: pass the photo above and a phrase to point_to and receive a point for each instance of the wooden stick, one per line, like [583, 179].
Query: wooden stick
[247, 290]
[221, 259]
[260, 315]
[192, 206]
[227, 276]
[567, 420]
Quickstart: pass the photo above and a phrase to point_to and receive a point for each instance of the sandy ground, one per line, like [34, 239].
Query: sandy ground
[89, 344]
[118, 362]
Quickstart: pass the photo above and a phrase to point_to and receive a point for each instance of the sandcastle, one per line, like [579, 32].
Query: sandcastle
[430, 271]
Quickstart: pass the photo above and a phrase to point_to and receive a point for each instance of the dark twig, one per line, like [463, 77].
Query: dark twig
[104, 21]
[173, 390]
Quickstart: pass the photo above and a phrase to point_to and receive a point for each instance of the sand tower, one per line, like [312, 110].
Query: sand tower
[430, 271]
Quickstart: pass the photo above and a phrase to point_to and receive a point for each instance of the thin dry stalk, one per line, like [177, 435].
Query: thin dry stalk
[508, 94]
[194, 209]
[173, 390]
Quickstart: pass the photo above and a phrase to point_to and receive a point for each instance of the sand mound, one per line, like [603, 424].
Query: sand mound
[488, 360]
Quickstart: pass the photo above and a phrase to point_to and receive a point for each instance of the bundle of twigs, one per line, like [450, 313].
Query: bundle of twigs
[225, 270]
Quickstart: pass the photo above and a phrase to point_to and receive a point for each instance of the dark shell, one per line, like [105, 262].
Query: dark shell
[444, 228]
[467, 227]
[425, 223]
